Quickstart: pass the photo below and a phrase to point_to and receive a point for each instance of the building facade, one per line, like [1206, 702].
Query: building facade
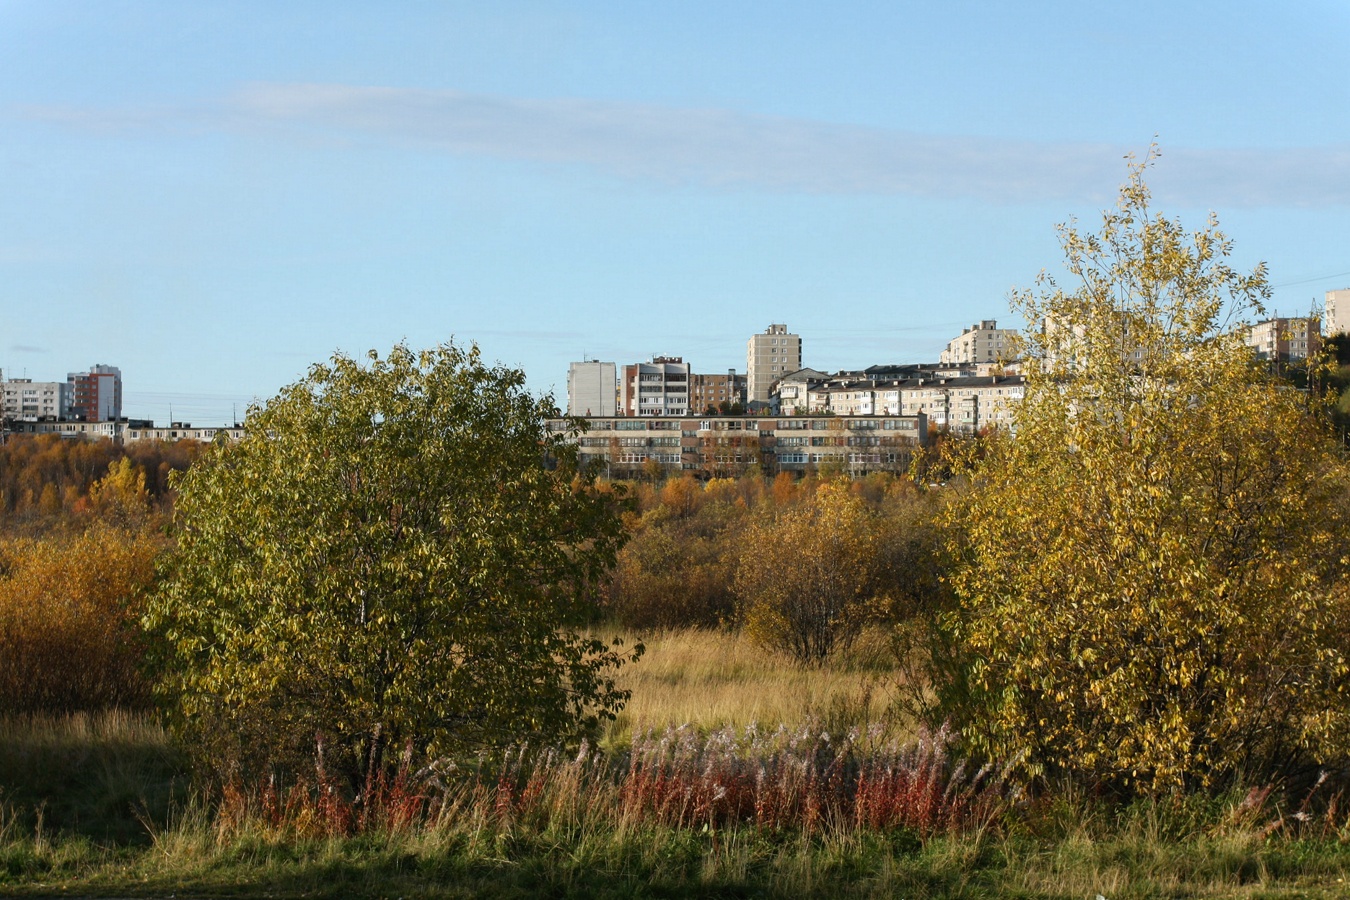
[129, 431]
[1284, 339]
[96, 395]
[716, 446]
[656, 388]
[592, 389]
[791, 394]
[1336, 318]
[983, 342]
[966, 404]
[716, 392]
[25, 400]
[768, 357]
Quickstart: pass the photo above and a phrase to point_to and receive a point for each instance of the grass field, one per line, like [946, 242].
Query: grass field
[100, 805]
[710, 679]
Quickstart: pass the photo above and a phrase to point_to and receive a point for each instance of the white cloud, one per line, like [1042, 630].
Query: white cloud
[729, 150]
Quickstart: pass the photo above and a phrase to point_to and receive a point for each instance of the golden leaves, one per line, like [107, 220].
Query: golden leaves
[1146, 568]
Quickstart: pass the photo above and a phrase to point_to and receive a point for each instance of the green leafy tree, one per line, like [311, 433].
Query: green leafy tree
[1150, 577]
[397, 555]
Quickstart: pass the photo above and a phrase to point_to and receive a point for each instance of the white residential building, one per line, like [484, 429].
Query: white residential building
[1337, 317]
[25, 400]
[656, 388]
[967, 404]
[592, 388]
[964, 404]
[768, 357]
[790, 395]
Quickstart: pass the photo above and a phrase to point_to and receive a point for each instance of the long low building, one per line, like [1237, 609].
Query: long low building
[733, 445]
[127, 430]
[966, 404]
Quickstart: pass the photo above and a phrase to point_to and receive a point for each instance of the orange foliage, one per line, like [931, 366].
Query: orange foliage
[69, 635]
[685, 536]
[45, 479]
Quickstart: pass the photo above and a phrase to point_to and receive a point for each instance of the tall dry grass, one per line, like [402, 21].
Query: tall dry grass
[102, 775]
[711, 679]
[734, 812]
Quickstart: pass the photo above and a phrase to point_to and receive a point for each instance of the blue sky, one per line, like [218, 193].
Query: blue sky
[213, 195]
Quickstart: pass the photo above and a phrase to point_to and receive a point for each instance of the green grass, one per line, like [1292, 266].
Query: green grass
[645, 862]
[98, 806]
[102, 777]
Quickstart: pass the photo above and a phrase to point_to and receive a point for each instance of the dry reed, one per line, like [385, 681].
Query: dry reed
[711, 679]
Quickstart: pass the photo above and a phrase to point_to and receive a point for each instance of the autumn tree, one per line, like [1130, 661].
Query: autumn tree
[69, 620]
[1150, 572]
[676, 570]
[386, 560]
[806, 575]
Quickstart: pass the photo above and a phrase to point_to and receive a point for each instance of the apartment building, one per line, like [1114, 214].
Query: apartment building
[1336, 318]
[179, 431]
[732, 445]
[843, 397]
[592, 389]
[716, 392]
[1283, 339]
[25, 400]
[768, 357]
[965, 404]
[96, 395]
[656, 388]
[790, 395]
[983, 342]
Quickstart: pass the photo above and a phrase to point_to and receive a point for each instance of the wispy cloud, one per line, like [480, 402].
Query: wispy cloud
[27, 348]
[732, 150]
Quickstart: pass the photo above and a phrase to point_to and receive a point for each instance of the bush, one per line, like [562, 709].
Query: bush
[388, 560]
[674, 571]
[69, 621]
[1151, 571]
[807, 576]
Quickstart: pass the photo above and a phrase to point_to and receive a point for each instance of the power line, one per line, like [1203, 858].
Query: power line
[1310, 280]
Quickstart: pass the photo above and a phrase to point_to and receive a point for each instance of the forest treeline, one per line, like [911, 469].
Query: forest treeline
[82, 525]
[729, 552]
[45, 479]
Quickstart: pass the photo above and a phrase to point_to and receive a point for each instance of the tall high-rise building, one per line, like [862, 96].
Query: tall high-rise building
[591, 388]
[768, 357]
[96, 395]
[1337, 317]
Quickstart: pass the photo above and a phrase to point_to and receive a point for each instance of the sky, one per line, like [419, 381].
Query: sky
[213, 196]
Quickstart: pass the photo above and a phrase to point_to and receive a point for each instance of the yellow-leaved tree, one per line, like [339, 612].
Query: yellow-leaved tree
[1149, 571]
[808, 576]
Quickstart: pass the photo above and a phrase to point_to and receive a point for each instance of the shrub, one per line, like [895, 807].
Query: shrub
[1151, 571]
[388, 559]
[69, 621]
[806, 576]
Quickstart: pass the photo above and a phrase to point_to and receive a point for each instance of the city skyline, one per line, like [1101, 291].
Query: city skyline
[214, 197]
